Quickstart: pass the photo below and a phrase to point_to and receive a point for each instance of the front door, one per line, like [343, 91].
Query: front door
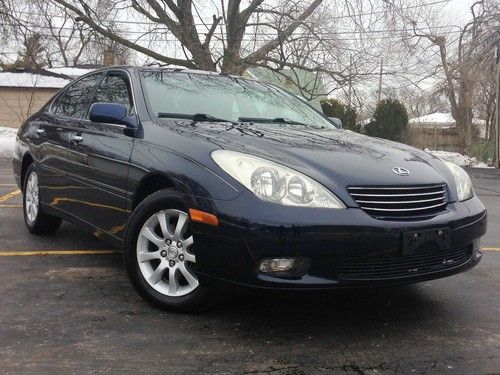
[99, 157]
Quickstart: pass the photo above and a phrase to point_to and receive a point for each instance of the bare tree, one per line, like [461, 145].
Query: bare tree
[230, 23]
[485, 98]
[463, 60]
[65, 41]
[419, 102]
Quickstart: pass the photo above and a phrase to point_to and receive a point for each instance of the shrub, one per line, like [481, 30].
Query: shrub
[346, 113]
[483, 150]
[390, 121]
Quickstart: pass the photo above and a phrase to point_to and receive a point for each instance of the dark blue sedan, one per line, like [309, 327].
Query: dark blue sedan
[207, 179]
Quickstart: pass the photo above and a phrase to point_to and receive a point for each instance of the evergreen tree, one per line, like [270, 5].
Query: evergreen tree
[346, 113]
[390, 121]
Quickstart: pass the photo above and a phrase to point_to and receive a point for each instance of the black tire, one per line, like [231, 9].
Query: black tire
[197, 300]
[42, 223]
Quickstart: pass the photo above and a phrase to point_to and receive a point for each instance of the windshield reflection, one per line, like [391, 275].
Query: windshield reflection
[223, 97]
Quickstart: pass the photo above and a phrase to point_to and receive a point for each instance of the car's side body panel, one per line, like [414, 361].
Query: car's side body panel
[49, 141]
[188, 174]
[98, 176]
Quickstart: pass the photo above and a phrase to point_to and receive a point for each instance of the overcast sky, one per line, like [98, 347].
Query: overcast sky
[452, 13]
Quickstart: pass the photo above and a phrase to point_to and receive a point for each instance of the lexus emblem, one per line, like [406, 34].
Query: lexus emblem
[401, 171]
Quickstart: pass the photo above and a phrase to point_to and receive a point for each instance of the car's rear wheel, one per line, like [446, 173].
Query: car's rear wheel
[36, 220]
[159, 254]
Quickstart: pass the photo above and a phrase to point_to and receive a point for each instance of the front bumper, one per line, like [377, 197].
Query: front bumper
[346, 247]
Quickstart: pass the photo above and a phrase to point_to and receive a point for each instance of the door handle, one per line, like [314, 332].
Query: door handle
[40, 131]
[77, 138]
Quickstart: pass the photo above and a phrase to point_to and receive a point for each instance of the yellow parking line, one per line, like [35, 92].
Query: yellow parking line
[491, 248]
[10, 195]
[11, 206]
[55, 252]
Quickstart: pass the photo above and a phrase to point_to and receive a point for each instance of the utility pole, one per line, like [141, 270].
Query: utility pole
[497, 127]
[350, 81]
[380, 80]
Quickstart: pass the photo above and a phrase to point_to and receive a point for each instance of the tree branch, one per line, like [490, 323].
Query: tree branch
[268, 47]
[113, 36]
[211, 31]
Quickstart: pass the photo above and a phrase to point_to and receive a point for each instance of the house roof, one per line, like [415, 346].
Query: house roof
[70, 71]
[434, 118]
[45, 78]
[30, 80]
[444, 120]
[440, 118]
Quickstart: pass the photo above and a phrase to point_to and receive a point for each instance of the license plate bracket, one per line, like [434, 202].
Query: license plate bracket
[414, 239]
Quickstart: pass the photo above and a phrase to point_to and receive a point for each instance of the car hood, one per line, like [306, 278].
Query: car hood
[335, 158]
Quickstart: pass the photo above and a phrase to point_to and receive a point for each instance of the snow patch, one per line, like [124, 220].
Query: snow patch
[70, 71]
[9, 79]
[458, 159]
[438, 117]
[7, 141]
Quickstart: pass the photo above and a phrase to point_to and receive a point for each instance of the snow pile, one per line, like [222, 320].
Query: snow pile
[458, 159]
[7, 140]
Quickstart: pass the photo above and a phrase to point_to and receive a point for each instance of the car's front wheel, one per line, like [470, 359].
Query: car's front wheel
[159, 255]
[36, 220]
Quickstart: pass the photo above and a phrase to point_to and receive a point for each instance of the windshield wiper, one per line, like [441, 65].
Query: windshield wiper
[281, 120]
[197, 117]
[203, 117]
[174, 115]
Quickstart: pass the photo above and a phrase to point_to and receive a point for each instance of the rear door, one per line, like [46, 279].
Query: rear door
[99, 157]
[52, 134]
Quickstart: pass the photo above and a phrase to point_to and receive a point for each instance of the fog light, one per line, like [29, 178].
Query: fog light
[284, 267]
[277, 264]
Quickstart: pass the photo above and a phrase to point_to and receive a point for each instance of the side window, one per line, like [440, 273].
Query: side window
[73, 101]
[114, 89]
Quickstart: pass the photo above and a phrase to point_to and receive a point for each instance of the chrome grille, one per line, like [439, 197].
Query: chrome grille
[401, 202]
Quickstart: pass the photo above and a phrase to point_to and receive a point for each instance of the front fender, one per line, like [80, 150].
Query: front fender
[189, 177]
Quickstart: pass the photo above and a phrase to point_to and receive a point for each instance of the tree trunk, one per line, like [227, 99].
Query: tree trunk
[465, 129]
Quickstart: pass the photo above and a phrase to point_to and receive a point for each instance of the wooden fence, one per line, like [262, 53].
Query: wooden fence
[445, 139]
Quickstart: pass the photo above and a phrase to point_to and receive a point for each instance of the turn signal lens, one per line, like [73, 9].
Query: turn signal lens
[203, 217]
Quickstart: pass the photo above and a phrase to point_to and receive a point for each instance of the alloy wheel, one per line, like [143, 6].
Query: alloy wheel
[163, 253]
[32, 200]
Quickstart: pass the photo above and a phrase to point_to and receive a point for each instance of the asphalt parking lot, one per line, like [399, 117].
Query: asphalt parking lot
[67, 307]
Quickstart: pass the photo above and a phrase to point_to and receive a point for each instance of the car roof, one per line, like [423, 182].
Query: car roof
[173, 69]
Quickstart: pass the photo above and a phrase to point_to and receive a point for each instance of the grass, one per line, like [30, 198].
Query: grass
[483, 151]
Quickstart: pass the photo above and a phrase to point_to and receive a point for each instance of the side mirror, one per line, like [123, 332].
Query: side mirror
[112, 113]
[336, 121]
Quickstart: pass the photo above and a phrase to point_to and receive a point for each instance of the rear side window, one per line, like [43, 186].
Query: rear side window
[74, 100]
[114, 89]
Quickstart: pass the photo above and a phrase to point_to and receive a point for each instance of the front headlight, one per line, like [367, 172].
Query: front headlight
[462, 181]
[273, 182]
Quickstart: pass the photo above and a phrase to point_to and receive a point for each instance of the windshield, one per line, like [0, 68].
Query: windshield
[216, 97]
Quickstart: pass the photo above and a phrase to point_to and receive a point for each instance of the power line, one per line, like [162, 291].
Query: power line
[340, 32]
[415, 6]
